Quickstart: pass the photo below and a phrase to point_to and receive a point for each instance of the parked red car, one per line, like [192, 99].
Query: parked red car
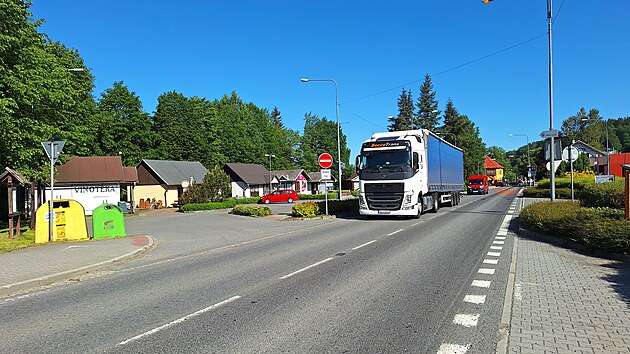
[280, 196]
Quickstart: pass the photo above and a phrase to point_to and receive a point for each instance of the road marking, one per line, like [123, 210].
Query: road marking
[363, 245]
[475, 299]
[306, 268]
[505, 225]
[485, 271]
[448, 348]
[481, 283]
[498, 242]
[466, 320]
[494, 254]
[491, 261]
[496, 247]
[395, 232]
[185, 318]
[500, 238]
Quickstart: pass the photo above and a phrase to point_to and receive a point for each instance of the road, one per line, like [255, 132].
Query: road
[224, 283]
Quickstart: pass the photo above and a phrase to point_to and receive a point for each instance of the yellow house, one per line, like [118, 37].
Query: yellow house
[160, 181]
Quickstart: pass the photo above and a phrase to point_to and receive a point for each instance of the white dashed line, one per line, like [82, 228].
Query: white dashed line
[185, 318]
[505, 225]
[481, 283]
[363, 245]
[395, 232]
[500, 238]
[475, 299]
[466, 320]
[448, 348]
[305, 268]
[491, 261]
[498, 242]
[485, 271]
[494, 254]
[496, 248]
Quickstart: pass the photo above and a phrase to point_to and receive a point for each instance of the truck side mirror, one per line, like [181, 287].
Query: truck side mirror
[357, 161]
[414, 161]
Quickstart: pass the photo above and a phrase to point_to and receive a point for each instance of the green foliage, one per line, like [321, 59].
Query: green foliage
[404, 119]
[320, 135]
[605, 195]
[597, 228]
[214, 188]
[306, 210]
[427, 115]
[226, 204]
[249, 210]
[252, 200]
[318, 196]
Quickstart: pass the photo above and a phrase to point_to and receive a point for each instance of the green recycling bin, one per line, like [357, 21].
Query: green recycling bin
[108, 221]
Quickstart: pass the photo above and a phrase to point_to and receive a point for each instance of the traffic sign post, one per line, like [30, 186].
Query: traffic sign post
[53, 150]
[325, 160]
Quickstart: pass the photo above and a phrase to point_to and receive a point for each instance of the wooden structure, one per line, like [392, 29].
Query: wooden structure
[626, 174]
[16, 197]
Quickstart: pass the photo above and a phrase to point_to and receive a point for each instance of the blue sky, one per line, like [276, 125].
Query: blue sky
[373, 49]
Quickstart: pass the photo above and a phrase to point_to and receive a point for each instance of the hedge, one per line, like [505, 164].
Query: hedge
[311, 209]
[597, 228]
[249, 210]
[589, 193]
[226, 204]
[317, 196]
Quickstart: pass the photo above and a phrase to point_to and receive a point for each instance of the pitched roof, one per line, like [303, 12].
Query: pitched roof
[490, 163]
[91, 169]
[4, 176]
[290, 175]
[578, 142]
[317, 177]
[250, 173]
[174, 172]
[131, 174]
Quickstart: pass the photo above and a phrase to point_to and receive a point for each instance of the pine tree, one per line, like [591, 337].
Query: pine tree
[276, 118]
[403, 121]
[427, 115]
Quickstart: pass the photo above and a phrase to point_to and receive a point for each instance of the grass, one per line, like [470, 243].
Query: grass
[24, 240]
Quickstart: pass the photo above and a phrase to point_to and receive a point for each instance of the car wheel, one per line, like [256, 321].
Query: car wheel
[290, 200]
[267, 201]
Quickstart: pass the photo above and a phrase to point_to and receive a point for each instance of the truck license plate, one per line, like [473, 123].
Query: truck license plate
[384, 211]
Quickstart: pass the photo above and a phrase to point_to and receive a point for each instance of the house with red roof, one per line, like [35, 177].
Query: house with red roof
[494, 170]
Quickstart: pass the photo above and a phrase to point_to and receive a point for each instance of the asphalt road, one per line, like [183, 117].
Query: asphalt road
[224, 283]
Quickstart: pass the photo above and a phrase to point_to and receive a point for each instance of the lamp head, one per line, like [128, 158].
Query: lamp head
[304, 79]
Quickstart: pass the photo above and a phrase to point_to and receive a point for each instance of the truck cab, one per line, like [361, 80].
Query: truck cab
[478, 184]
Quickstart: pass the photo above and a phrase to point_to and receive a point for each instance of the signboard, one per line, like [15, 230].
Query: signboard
[325, 160]
[326, 175]
[53, 148]
[549, 133]
[557, 154]
[604, 178]
[89, 196]
[570, 153]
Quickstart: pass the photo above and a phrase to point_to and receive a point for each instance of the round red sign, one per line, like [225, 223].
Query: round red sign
[325, 160]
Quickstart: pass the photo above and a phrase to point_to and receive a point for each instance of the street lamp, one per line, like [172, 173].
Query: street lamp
[529, 162]
[338, 125]
[270, 156]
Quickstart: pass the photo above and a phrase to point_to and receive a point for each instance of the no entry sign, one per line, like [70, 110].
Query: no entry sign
[325, 160]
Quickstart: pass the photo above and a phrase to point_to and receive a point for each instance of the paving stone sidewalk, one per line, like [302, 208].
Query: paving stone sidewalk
[568, 302]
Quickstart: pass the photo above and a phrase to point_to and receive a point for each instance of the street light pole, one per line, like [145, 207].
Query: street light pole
[607, 150]
[552, 146]
[338, 125]
[529, 162]
[270, 156]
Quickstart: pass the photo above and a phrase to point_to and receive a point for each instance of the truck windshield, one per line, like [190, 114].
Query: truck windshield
[393, 159]
[475, 181]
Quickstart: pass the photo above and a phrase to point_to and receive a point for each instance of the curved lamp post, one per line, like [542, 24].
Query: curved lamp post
[304, 79]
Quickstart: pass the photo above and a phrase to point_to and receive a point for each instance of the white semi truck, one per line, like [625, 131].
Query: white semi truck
[406, 173]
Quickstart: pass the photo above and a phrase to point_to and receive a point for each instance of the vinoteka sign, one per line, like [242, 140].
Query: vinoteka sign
[89, 196]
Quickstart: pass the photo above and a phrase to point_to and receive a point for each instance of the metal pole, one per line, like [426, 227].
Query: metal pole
[571, 162]
[270, 156]
[552, 147]
[51, 214]
[607, 151]
[338, 134]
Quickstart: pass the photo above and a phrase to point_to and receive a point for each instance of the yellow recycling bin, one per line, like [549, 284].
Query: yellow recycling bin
[68, 222]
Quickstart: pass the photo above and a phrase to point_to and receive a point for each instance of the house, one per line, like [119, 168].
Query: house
[315, 184]
[351, 183]
[17, 200]
[161, 181]
[92, 181]
[598, 159]
[293, 179]
[616, 160]
[494, 170]
[249, 180]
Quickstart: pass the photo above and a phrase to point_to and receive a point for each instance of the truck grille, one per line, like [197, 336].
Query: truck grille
[384, 196]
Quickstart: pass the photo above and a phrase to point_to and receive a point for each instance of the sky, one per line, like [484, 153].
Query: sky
[491, 60]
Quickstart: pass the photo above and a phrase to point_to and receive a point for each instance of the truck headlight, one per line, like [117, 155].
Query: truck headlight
[362, 204]
[408, 202]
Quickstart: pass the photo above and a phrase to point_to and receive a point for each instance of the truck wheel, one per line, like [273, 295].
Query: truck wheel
[420, 209]
[436, 204]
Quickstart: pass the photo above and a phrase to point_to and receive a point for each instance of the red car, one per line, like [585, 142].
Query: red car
[280, 196]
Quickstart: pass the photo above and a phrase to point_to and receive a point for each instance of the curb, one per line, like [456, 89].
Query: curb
[9, 289]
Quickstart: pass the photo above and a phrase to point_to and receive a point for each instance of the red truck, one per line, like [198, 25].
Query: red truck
[478, 184]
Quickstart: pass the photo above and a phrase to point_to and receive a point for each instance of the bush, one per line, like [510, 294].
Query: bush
[537, 192]
[317, 196]
[228, 203]
[248, 210]
[355, 193]
[306, 210]
[605, 195]
[252, 200]
[600, 228]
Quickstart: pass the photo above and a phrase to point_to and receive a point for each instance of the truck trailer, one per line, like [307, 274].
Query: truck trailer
[405, 173]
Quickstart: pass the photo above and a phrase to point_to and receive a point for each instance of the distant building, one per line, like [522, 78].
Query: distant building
[161, 180]
[494, 170]
[293, 179]
[249, 180]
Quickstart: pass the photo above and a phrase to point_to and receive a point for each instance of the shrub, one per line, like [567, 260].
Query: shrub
[606, 195]
[537, 192]
[306, 210]
[355, 193]
[249, 210]
[228, 203]
[317, 196]
[252, 200]
[601, 228]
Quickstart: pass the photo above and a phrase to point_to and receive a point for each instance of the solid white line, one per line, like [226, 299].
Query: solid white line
[466, 320]
[496, 247]
[185, 318]
[481, 283]
[363, 245]
[485, 271]
[395, 232]
[448, 348]
[475, 299]
[494, 254]
[491, 261]
[305, 268]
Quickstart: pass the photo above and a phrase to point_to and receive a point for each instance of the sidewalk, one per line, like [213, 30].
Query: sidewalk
[567, 301]
[46, 264]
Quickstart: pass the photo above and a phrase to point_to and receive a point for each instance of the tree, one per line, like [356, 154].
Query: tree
[320, 135]
[276, 118]
[427, 115]
[453, 127]
[588, 128]
[404, 119]
[214, 188]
